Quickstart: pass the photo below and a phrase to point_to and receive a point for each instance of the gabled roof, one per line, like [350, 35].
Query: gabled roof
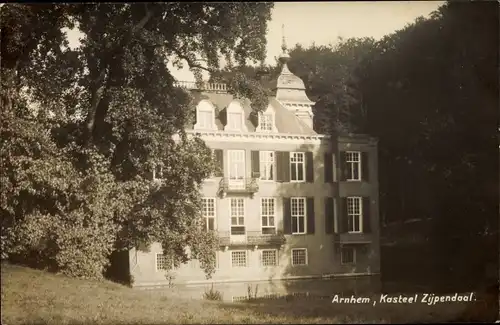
[285, 120]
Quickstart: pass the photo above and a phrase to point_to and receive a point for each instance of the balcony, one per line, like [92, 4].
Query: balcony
[209, 87]
[353, 238]
[250, 238]
[238, 186]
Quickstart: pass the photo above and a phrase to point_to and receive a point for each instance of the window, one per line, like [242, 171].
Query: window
[157, 172]
[237, 216]
[268, 214]
[353, 160]
[266, 121]
[299, 256]
[162, 262]
[347, 255]
[269, 257]
[297, 167]
[205, 118]
[239, 259]
[209, 212]
[234, 121]
[236, 164]
[266, 165]
[354, 216]
[298, 210]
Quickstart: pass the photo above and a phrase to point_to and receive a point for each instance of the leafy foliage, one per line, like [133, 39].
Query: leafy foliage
[82, 127]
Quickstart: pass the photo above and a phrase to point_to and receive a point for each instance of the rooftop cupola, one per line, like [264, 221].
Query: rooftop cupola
[290, 89]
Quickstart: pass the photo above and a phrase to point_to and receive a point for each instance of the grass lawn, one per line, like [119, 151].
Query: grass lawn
[36, 297]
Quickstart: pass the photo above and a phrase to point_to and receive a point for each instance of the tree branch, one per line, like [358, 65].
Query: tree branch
[99, 87]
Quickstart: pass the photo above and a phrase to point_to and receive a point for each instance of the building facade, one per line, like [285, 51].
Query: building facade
[287, 203]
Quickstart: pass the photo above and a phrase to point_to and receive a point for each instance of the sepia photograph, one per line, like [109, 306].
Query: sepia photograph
[331, 162]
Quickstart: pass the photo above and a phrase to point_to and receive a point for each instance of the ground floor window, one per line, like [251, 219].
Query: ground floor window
[348, 255]
[239, 258]
[269, 257]
[299, 256]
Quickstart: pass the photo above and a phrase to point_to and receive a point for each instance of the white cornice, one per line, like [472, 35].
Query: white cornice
[227, 136]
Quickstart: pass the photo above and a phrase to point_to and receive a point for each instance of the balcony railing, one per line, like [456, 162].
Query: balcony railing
[207, 86]
[239, 185]
[353, 238]
[250, 238]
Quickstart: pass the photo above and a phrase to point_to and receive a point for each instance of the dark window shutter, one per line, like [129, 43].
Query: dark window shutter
[366, 215]
[219, 160]
[149, 173]
[342, 166]
[342, 216]
[287, 216]
[279, 166]
[365, 176]
[328, 168]
[329, 216]
[255, 164]
[282, 166]
[310, 215]
[309, 167]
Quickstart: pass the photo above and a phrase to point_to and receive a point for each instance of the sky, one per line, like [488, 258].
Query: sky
[322, 23]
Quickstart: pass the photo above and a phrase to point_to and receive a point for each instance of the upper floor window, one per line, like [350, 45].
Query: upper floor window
[353, 160]
[297, 167]
[266, 165]
[237, 212]
[205, 116]
[266, 121]
[268, 215]
[354, 214]
[209, 213]
[205, 119]
[298, 210]
[234, 121]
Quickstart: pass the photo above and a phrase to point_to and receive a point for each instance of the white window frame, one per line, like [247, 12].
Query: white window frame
[236, 158]
[298, 215]
[231, 118]
[351, 215]
[266, 119]
[205, 106]
[306, 256]
[272, 114]
[353, 250]
[205, 214]
[267, 216]
[352, 162]
[246, 258]
[237, 216]
[292, 158]
[267, 162]
[235, 107]
[275, 251]
[156, 263]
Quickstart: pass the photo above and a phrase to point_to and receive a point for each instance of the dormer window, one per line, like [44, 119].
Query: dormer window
[234, 121]
[205, 116]
[235, 117]
[266, 121]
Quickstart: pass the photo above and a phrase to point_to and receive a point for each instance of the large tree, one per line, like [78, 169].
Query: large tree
[82, 128]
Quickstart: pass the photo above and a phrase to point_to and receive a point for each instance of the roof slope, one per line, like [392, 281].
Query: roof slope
[285, 120]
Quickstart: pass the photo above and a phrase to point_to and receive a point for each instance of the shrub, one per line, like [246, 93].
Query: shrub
[212, 294]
